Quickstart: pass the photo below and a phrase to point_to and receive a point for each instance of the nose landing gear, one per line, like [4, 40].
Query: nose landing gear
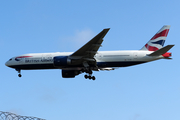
[19, 75]
[19, 71]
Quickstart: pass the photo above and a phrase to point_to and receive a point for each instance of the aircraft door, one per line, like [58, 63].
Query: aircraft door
[47, 58]
[22, 60]
[135, 55]
[99, 56]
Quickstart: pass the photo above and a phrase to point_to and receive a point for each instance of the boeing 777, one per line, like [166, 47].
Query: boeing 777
[88, 59]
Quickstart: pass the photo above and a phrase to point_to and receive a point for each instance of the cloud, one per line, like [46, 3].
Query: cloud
[77, 40]
[136, 116]
[83, 36]
[52, 95]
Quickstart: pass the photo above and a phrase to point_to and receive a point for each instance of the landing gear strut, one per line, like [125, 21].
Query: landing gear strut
[19, 71]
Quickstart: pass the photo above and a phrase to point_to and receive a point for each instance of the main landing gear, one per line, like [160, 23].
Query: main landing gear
[19, 71]
[88, 70]
[89, 75]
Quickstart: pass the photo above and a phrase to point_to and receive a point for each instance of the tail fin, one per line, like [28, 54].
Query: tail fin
[158, 40]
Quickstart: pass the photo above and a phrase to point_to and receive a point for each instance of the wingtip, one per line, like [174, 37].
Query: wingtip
[107, 29]
[171, 45]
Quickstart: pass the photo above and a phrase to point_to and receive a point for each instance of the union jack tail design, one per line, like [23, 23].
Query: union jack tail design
[158, 40]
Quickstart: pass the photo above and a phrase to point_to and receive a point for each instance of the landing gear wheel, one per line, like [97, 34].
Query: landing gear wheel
[93, 78]
[89, 73]
[86, 76]
[19, 75]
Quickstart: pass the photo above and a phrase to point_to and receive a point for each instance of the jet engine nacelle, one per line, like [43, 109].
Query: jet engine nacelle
[61, 61]
[70, 73]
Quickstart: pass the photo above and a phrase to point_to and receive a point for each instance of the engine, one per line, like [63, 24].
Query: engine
[61, 61]
[70, 73]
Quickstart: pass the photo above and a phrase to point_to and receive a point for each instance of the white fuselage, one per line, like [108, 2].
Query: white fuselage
[104, 59]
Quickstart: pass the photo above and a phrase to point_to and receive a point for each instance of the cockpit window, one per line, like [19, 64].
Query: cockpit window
[10, 59]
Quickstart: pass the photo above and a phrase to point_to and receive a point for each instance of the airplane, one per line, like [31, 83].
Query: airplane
[88, 59]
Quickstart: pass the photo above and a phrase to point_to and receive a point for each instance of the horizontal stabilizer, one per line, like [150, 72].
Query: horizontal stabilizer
[161, 51]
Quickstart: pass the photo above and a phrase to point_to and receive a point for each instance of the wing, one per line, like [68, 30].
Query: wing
[86, 53]
[91, 48]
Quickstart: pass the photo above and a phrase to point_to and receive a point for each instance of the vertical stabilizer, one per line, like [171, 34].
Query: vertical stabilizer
[158, 40]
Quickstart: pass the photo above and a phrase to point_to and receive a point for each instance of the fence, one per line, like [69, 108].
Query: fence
[12, 116]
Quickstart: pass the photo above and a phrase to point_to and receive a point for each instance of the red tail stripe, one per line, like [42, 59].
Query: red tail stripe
[151, 48]
[161, 34]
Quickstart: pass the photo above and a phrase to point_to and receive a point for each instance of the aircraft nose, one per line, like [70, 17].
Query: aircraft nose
[7, 63]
